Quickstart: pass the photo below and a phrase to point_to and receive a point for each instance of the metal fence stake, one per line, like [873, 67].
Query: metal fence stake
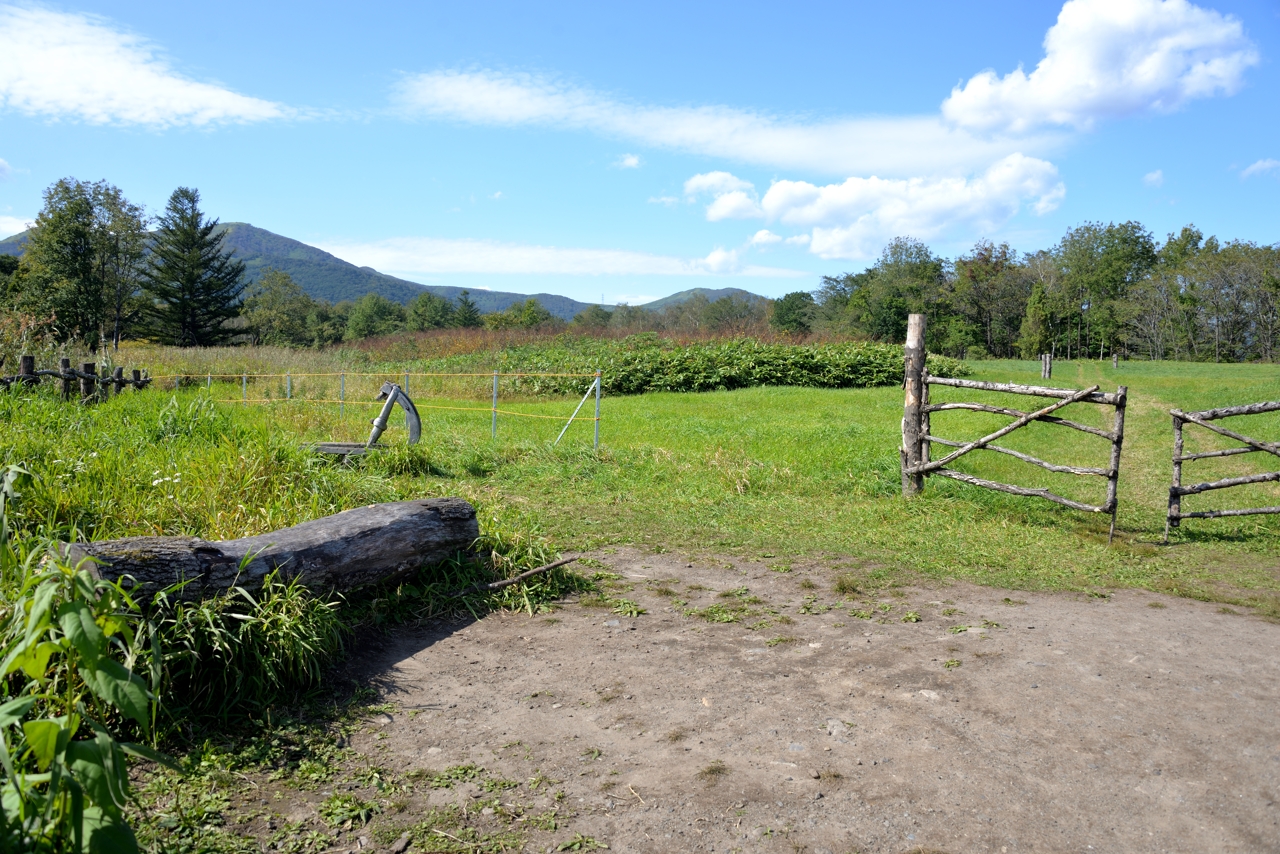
[288, 386]
[596, 446]
[493, 430]
[244, 387]
[208, 382]
[406, 382]
[342, 394]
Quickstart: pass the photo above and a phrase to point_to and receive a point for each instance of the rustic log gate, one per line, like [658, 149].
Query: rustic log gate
[916, 438]
[1202, 419]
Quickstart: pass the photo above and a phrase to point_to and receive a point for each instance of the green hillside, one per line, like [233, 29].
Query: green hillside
[712, 294]
[328, 277]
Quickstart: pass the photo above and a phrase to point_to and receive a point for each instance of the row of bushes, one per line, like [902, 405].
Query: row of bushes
[646, 363]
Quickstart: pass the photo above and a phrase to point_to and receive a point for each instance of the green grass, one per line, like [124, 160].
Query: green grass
[777, 471]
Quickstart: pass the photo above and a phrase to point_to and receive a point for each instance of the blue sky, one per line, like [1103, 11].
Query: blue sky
[624, 152]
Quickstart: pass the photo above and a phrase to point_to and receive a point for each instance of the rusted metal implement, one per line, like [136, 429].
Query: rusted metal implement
[916, 436]
[393, 395]
[1250, 446]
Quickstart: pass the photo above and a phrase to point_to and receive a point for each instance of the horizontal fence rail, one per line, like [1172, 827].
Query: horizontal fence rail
[94, 386]
[917, 437]
[1251, 446]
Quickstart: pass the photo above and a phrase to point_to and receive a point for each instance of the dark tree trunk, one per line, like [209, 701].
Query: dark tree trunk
[341, 552]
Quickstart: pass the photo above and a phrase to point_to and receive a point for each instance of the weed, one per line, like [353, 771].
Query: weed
[778, 641]
[958, 630]
[677, 735]
[347, 811]
[1009, 601]
[592, 753]
[911, 617]
[848, 585]
[448, 778]
[627, 608]
[713, 772]
[717, 613]
[860, 614]
[991, 624]
[663, 591]
[951, 612]
[541, 780]
[1156, 605]
[582, 843]
[1225, 610]
[951, 663]
[807, 584]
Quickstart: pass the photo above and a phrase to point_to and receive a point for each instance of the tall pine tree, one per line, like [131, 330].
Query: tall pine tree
[194, 285]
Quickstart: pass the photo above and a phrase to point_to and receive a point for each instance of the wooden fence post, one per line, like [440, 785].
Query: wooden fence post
[137, 380]
[1113, 476]
[117, 379]
[88, 385]
[27, 370]
[913, 384]
[1171, 520]
[64, 368]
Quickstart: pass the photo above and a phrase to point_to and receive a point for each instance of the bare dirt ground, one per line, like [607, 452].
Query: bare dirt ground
[1052, 723]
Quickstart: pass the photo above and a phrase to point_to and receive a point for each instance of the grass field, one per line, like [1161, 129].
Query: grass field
[787, 474]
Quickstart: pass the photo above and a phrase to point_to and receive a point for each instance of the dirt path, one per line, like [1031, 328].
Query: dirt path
[1067, 723]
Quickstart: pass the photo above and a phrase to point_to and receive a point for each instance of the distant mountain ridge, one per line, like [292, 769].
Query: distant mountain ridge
[326, 276]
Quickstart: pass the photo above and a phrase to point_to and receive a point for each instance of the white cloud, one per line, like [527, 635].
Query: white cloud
[829, 146]
[799, 240]
[764, 237]
[11, 225]
[732, 197]
[429, 256]
[1107, 59]
[5, 169]
[496, 195]
[629, 161]
[1261, 167]
[854, 219]
[64, 65]
[669, 201]
[1154, 179]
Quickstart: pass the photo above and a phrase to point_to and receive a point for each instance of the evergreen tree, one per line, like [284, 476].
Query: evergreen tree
[373, 314]
[428, 311]
[466, 315]
[194, 285]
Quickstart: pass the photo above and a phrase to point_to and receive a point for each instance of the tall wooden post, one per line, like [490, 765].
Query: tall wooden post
[88, 385]
[137, 380]
[1173, 518]
[913, 384]
[64, 368]
[118, 380]
[1117, 440]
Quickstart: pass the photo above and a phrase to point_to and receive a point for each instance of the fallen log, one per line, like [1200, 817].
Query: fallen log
[340, 552]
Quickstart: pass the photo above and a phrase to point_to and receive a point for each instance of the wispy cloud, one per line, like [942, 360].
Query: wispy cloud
[5, 169]
[1261, 167]
[1108, 59]
[839, 145]
[76, 66]
[1154, 179]
[430, 256]
[628, 161]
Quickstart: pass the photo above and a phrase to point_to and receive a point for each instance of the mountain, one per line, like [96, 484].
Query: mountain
[13, 245]
[712, 294]
[325, 276]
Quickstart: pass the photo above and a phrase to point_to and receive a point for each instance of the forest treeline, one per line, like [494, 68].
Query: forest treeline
[1102, 290]
[97, 269]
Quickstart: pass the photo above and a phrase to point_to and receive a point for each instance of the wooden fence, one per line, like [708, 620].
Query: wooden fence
[93, 386]
[917, 439]
[1250, 446]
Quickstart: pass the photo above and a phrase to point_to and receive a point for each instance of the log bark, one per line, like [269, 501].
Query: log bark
[1034, 390]
[340, 552]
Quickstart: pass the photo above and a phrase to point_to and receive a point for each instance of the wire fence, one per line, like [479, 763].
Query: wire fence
[357, 388]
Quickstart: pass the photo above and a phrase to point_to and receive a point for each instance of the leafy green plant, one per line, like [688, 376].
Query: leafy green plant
[64, 635]
[347, 810]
